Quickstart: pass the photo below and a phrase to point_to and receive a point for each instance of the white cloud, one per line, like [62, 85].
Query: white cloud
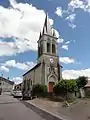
[71, 17]
[72, 25]
[59, 11]
[67, 42]
[19, 22]
[17, 80]
[10, 63]
[73, 74]
[79, 4]
[7, 48]
[19, 65]
[75, 4]
[65, 47]
[88, 2]
[4, 69]
[67, 60]
[61, 40]
[71, 20]
[25, 66]
[51, 21]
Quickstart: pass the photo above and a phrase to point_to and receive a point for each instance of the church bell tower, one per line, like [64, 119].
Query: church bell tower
[48, 55]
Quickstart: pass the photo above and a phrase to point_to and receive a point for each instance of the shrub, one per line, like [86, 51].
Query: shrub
[40, 90]
[64, 86]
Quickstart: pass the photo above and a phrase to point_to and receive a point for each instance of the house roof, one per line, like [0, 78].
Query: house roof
[6, 80]
[32, 68]
[88, 84]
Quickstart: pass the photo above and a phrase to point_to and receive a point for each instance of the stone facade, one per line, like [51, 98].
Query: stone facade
[6, 84]
[47, 71]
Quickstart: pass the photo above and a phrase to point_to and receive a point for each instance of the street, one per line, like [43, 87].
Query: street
[13, 109]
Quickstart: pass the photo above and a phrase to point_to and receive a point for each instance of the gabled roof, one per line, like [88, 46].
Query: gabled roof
[6, 80]
[32, 68]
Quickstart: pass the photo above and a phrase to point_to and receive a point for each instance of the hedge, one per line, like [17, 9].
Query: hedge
[40, 90]
[64, 86]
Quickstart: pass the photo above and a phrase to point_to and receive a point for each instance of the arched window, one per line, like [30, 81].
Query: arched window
[41, 48]
[48, 47]
[31, 82]
[28, 84]
[38, 51]
[53, 48]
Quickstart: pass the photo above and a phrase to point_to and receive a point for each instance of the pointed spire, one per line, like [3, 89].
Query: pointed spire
[40, 35]
[47, 27]
[46, 21]
[54, 34]
[44, 30]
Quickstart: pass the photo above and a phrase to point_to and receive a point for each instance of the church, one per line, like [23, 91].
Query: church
[47, 70]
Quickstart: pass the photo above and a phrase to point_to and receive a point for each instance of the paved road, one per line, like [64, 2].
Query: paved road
[12, 109]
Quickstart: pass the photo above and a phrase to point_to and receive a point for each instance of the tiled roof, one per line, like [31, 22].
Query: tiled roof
[88, 84]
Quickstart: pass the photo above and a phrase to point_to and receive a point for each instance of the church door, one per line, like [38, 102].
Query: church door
[50, 87]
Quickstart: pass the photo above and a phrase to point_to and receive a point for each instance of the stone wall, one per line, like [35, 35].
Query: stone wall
[87, 91]
[34, 75]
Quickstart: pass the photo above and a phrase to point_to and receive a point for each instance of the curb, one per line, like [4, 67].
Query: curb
[42, 112]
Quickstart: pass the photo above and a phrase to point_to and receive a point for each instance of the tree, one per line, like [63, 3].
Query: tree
[71, 85]
[81, 81]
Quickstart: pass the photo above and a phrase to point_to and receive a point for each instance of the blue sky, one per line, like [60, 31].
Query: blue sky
[20, 24]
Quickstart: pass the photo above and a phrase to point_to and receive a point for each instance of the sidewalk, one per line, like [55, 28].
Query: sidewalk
[78, 111]
[48, 106]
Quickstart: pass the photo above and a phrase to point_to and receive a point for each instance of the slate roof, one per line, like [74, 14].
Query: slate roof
[6, 80]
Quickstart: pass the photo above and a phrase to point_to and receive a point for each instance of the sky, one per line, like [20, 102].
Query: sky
[20, 24]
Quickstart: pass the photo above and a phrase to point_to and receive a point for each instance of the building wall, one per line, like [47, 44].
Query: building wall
[87, 91]
[34, 75]
[38, 74]
[46, 59]
[6, 86]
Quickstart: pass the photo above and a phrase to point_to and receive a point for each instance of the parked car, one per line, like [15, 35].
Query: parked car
[17, 93]
[26, 95]
[12, 92]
